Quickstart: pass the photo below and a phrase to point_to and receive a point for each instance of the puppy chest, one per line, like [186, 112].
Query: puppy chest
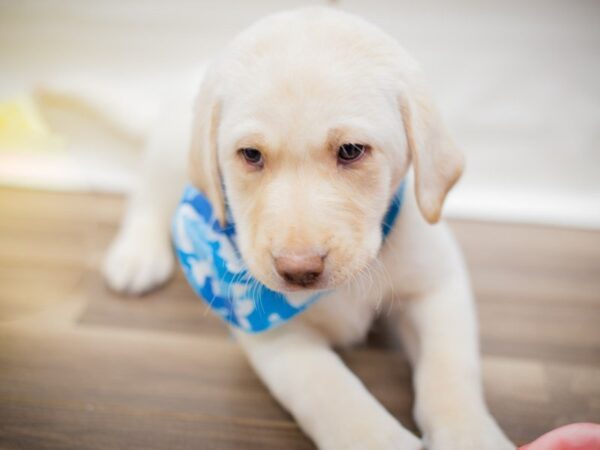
[344, 317]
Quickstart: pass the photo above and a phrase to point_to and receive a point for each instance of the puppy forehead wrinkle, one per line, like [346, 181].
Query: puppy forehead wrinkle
[299, 125]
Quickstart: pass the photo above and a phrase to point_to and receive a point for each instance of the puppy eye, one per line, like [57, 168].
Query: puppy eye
[349, 153]
[252, 156]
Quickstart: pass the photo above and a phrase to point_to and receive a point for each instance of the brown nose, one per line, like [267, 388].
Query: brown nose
[300, 270]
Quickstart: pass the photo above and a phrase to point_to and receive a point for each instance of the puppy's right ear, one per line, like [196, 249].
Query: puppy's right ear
[204, 164]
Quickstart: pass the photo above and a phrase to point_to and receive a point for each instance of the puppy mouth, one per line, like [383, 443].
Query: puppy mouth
[308, 283]
[287, 286]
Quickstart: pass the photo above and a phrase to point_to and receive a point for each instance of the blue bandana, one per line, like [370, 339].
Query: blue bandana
[214, 268]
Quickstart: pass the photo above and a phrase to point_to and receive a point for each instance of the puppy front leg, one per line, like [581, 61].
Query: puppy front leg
[328, 401]
[140, 257]
[439, 330]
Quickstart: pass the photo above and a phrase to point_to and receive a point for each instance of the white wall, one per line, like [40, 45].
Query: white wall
[517, 81]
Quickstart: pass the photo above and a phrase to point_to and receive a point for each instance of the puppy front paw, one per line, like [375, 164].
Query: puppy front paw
[397, 439]
[139, 259]
[480, 434]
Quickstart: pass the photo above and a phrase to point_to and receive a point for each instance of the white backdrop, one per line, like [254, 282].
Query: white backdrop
[517, 83]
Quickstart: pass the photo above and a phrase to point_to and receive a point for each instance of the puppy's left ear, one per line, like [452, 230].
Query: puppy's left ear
[438, 163]
[203, 158]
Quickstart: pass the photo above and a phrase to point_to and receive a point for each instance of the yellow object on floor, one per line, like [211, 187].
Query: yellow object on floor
[22, 127]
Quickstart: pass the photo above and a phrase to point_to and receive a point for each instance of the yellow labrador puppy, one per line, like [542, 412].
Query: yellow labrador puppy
[308, 123]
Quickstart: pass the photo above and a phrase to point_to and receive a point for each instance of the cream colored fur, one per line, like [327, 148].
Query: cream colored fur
[297, 85]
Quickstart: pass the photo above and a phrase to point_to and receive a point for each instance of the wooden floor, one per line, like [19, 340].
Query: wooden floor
[81, 368]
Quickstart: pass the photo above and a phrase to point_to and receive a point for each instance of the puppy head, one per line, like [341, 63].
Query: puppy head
[310, 132]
